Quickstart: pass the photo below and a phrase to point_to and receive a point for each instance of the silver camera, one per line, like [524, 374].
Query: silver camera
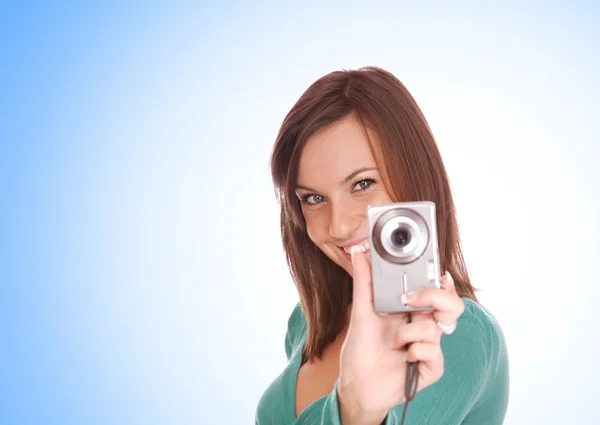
[404, 253]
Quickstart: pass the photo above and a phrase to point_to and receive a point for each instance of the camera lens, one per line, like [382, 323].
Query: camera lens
[399, 233]
[400, 237]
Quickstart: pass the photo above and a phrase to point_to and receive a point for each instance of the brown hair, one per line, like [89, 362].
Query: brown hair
[412, 169]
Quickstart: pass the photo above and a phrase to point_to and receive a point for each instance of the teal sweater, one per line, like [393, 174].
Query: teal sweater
[472, 391]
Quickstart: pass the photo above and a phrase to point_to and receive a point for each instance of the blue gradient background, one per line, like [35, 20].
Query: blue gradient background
[141, 275]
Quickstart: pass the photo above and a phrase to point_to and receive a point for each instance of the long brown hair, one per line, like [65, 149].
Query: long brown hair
[407, 156]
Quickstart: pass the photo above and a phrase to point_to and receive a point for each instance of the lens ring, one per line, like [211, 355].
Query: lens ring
[400, 218]
[391, 226]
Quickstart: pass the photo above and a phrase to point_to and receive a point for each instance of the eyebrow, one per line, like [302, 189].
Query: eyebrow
[346, 180]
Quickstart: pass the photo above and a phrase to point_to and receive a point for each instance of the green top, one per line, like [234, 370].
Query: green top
[473, 389]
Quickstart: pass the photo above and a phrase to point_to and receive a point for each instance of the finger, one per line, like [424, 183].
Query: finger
[396, 320]
[362, 291]
[438, 299]
[448, 282]
[420, 316]
[424, 331]
[424, 352]
[429, 355]
[447, 307]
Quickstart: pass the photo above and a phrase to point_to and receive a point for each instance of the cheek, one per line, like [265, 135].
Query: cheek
[316, 228]
[379, 197]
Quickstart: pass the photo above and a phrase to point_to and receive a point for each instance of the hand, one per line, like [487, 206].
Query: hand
[373, 359]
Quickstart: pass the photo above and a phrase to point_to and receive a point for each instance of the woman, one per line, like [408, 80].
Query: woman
[357, 138]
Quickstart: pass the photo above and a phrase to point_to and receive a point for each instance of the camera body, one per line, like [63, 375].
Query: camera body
[404, 253]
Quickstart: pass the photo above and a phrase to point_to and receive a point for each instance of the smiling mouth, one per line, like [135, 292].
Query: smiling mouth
[364, 246]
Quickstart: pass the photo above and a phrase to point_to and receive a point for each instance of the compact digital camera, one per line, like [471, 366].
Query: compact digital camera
[404, 253]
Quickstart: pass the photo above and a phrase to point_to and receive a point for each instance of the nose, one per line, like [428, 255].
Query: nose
[344, 221]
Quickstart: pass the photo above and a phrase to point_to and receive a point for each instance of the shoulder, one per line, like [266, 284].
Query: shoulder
[480, 329]
[296, 325]
[479, 322]
[476, 353]
[474, 386]
[478, 339]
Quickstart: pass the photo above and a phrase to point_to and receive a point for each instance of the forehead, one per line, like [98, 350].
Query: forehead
[334, 153]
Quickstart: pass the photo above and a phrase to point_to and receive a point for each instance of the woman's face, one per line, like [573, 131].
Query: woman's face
[337, 180]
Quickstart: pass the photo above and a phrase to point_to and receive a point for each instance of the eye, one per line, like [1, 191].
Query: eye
[363, 184]
[312, 199]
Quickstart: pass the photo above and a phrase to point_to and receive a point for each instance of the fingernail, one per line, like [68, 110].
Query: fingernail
[407, 298]
[353, 252]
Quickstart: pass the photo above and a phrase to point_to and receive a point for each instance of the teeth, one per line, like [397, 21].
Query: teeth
[361, 247]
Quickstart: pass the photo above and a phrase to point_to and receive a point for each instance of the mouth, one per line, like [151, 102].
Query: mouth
[363, 246]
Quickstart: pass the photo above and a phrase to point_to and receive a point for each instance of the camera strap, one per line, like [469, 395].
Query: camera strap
[411, 381]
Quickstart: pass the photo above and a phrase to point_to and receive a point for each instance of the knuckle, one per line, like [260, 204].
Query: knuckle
[400, 339]
[440, 372]
[433, 331]
[439, 355]
[414, 351]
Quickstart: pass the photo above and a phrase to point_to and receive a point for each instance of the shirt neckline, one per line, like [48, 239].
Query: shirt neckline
[295, 370]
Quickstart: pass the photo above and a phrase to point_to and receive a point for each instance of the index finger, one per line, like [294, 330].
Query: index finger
[362, 288]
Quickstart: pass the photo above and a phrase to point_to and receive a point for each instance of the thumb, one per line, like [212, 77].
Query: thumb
[362, 290]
